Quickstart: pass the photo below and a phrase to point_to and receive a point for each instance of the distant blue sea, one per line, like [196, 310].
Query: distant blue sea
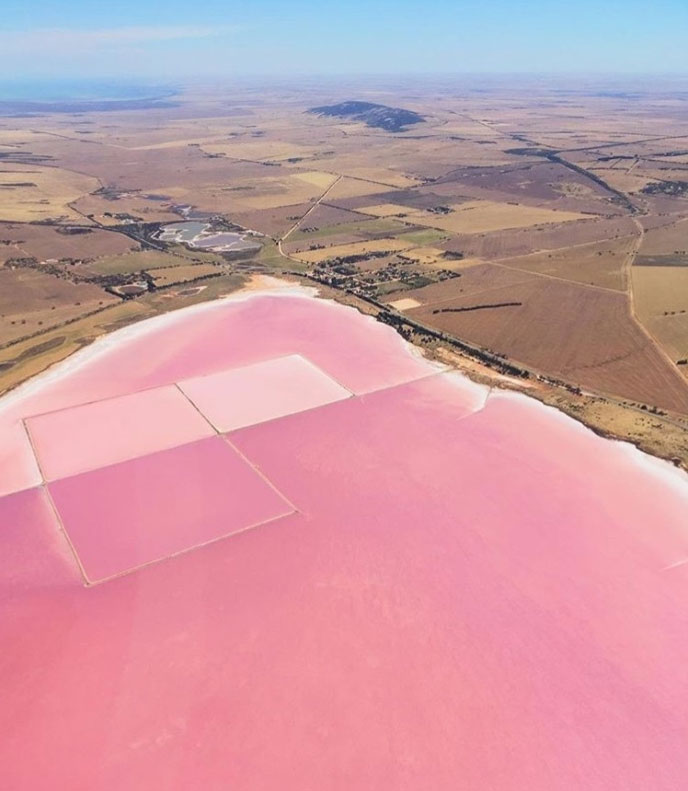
[79, 90]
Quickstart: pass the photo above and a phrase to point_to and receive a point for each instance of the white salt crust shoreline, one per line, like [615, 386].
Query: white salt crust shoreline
[107, 342]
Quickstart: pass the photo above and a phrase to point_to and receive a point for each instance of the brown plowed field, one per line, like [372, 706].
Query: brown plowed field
[325, 216]
[668, 240]
[522, 241]
[597, 264]
[583, 335]
[31, 301]
[43, 242]
[271, 222]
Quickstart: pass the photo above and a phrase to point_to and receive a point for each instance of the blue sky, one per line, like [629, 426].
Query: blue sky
[175, 39]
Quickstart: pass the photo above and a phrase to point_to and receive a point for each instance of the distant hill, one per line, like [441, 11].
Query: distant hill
[391, 119]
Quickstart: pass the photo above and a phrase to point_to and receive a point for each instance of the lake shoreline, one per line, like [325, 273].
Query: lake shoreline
[666, 468]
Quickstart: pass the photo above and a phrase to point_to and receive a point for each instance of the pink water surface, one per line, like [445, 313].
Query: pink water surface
[93, 435]
[470, 596]
[126, 515]
[263, 391]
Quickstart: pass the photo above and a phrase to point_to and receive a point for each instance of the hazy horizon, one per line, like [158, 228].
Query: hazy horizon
[111, 88]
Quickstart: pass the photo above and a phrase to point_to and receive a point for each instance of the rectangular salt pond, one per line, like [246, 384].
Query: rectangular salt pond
[81, 438]
[134, 513]
[263, 391]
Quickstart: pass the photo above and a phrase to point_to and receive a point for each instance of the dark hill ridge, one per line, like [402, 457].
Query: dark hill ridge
[391, 119]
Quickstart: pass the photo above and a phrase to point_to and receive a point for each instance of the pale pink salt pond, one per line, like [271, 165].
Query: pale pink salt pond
[472, 592]
[126, 515]
[94, 435]
[263, 391]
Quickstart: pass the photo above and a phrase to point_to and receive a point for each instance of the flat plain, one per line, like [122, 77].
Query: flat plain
[537, 228]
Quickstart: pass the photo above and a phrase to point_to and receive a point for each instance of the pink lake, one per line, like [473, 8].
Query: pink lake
[390, 579]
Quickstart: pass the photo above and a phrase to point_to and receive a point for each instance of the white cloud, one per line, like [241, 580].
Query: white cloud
[64, 40]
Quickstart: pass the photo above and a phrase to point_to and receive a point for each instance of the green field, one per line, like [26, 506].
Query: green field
[133, 262]
[373, 227]
[426, 238]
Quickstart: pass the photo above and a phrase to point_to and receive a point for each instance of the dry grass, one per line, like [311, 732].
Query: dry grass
[360, 229]
[429, 256]
[181, 274]
[353, 188]
[326, 217]
[20, 138]
[133, 262]
[661, 304]
[485, 216]
[599, 264]
[177, 142]
[523, 241]
[404, 304]
[135, 205]
[671, 332]
[660, 289]
[25, 290]
[667, 240]
[35, 193]
[355, 248]
[260, 150]
[43, 242]
[272, 222]
[271, 193]
[31, 301]
[383, 176]
[390, 210]
[317, 178]
[621, 180]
